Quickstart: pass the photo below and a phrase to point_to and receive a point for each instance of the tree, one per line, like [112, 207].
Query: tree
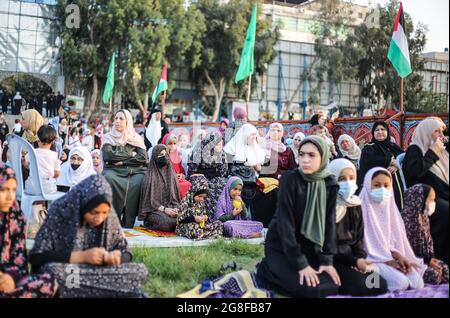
[335, 55]
[379, 78]
[163, 31]
[222, 43]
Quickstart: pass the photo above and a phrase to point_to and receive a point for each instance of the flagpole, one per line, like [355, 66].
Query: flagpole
[110, 105]
[163, 103]
[249, 91]
[401, 96]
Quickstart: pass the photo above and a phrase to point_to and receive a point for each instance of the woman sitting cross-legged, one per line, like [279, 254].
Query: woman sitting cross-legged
[385, 239]
[350, 260]
[82, 244]
[231, 210]
[160, 196]
[301, 240]
[193, 221]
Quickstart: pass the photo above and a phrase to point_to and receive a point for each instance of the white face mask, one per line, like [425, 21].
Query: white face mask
[431, 208]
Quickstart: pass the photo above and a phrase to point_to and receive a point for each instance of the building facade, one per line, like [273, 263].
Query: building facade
[29, 41]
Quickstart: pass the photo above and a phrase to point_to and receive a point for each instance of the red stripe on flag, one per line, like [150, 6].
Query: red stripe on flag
[399, 16]
[164, 73]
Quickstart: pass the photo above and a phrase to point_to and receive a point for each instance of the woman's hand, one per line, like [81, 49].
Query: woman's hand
[113, 258]
[93, 256]
[236, 212]
[200, 218]
[363, 266]
[330, 270]
[436, 265]
[120, 163]
[438, 146]
[392, 169]
[171, 212]
[7, 284]
[258, 167]
[308, 275]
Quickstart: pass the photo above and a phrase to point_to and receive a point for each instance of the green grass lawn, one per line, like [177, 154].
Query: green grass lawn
[178, 269]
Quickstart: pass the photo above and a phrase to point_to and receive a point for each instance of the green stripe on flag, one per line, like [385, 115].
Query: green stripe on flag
[398, 60]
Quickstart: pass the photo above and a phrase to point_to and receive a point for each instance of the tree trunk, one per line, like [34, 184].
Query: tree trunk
[218, 94]
[93, 101]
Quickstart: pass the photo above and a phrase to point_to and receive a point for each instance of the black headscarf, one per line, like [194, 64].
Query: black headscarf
[386, 146]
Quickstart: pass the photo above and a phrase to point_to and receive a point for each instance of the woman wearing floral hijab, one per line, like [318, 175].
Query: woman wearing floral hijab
[420, 204]
[15, 281]
[125, 163]
[192, 220]
[81, 242]
[209, 160]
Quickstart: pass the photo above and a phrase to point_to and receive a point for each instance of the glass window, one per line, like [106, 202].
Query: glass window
[294, 72]
[9, 64]
[28, 37]
[43, 66]
[14, 6]
[4, 6]
[27, 51]
[43, 38]
[29, 8]
[28, 23]
[13, 21]
[13, 35]
[273, 70]
[25, 65]
[3, 20]
[43, 52]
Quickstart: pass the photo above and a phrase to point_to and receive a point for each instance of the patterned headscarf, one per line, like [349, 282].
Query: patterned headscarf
[188, 205]
[7, 173]
[59, 231]
[417, 223]
[203, 153]
[224, 204]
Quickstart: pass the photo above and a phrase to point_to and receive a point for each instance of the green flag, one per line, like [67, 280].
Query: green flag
[109, 86]
[247, 64]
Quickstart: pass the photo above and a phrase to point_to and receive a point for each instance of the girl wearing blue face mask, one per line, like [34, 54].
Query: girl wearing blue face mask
[385, 239]
[350, 260]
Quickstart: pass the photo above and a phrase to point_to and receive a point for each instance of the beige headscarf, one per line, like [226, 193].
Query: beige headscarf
[33, 121]
[128, 136]
[422, 138]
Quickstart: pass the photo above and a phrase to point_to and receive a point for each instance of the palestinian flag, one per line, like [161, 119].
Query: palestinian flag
[398, 52]
[162, 85]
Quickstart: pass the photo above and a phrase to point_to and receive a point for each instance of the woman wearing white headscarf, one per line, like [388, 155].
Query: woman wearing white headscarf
[427, 161]
[125, 163]
[78, 167]
[350, 260]
[244, 147]
[155, 130]
[349, 149]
